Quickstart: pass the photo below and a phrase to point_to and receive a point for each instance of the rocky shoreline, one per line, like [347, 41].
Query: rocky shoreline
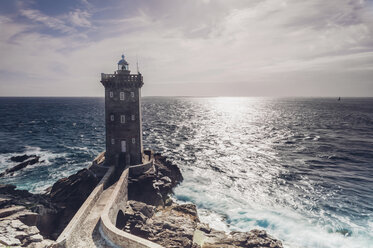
[36, 220]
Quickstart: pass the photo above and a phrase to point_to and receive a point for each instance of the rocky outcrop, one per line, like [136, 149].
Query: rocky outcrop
[22, 158]
[172, 226]
[25, 160]
[35, 220]
[178, 225]
[154, 186]
[69, 194]
[151, 214]
[253, 239]
[22, 217]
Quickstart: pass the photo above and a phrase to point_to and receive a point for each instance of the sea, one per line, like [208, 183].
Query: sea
[299, 168]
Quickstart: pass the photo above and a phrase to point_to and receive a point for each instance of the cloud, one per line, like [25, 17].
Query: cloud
[80, 18]
[192, 42]
[48, 21]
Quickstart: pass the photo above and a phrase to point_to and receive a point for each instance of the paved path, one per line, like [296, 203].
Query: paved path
[88, 235]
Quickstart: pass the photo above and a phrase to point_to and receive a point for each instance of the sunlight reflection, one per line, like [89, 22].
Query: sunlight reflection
[231, 108]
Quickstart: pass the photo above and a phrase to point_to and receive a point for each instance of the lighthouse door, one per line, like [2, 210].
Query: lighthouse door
[123, 145]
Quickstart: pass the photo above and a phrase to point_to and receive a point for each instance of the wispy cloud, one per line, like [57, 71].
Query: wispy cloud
[191, 42]
[80, 18]
[48, 21]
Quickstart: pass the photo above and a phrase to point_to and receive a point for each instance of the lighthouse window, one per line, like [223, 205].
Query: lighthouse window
[122, 96]
[122, 119]
[132, 94]
[111, 94]
[112, 117]
[133, 117]
[133, 140]
[112, 141]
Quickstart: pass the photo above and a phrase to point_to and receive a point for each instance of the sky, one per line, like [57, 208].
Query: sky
[188, 47]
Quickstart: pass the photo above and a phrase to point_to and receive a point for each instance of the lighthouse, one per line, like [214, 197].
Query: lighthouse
[123, 116]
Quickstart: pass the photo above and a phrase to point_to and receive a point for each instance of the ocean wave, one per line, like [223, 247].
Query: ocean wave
[295, 229]
[299, 168]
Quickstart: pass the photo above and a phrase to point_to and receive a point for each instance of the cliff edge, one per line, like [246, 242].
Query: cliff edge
[36, 220]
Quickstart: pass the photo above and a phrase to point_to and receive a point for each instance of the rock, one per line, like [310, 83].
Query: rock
[69, 194]
[16, 224]
[4, 201]
[145, 209]
[76, 188]
[29, 218]
[35, 238]
[171, 227]
[154, 187]
[252, 239]
[32, 230]
[11, 210]
[9, 241]
[177, 225]
[168, 202]
[20, 235]
[43, 244]
[166, 168]
[203, 227]
[190, 209]
[166, 179]
[22, 165]
[22, 158]
[7, 188]
[33, 219]
[14, 233]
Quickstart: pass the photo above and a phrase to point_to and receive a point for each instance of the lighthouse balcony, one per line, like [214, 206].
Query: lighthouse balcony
[124, 77]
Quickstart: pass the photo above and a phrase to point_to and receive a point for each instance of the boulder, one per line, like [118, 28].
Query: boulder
[177, 225]
[10, 210]
[22, 158]
[31, 161]
[33, 219]
[154, 186]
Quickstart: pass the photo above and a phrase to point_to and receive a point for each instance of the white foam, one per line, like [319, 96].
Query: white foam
[226, 208]
[47, 158]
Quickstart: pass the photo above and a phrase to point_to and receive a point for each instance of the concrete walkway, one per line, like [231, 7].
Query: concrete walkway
[88, 235]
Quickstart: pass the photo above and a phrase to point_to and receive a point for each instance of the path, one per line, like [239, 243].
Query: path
[88, 235]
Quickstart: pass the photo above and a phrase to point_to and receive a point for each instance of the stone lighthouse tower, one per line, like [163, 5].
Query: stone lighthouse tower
[123, 116]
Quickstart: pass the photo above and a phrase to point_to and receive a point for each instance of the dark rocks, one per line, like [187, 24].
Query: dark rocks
[253, 239]
[43, 216]
[141, 207]
[22, 158]
[176, 225]
[75, 188]
[154, 186]
[189, 209]
[69, 194]
[170, 227]
[20, 216]
[167, 169]
[32, 220]
[179, 226]
[26, 161]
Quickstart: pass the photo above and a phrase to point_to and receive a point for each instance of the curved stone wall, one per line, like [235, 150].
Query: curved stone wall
[141, 168]
[78, 219]
[116, 202]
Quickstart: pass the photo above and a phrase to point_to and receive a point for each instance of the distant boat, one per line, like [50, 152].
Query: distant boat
[339, 98]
